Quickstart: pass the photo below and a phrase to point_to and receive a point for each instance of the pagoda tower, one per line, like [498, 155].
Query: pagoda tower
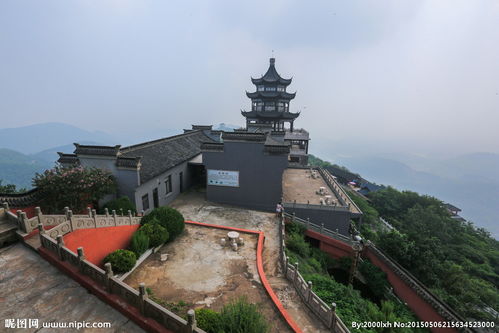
[270, 102]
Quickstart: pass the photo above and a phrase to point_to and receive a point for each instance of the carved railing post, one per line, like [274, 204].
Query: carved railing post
[81, 257]
[106, 212]
[89, 211]
[41, 231]
[143, 297]
[191, 321]
[60, 244]
[309, 298]
[308, 223]
[114, 217]
[130, 218]
[295, 278]
[333, 317]
[25, 222]
[6, 206]
[66, 210]
[109, 274]
[38, 213]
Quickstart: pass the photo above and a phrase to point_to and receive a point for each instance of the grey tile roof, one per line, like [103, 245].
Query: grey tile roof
[20, 200]
[271, 76]
[96, 150]
[161, 155]
[128, 162]
[68, 159]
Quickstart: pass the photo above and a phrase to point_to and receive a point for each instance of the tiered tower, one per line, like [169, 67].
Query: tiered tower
[270, 102]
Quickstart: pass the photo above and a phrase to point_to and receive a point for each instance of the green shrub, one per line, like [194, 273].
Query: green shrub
[118, 204]
[295, 228]
[167, 217]
[209, 320]
[243, 317]
[121, 260]
[297, 244]
[139, 243]
[155, 232]
[375, 277]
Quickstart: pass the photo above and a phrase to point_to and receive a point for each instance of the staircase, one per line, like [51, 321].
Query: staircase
[7, 229]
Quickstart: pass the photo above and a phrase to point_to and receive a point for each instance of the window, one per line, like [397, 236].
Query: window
[270, 106]
[280, 88]
[269, 88]
[260, 88]
[155, 198]
[280, 106]
[145, 201]
[168, 184]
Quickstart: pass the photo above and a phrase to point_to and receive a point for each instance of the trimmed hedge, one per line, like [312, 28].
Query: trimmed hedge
[156, 233]
[139, 243]
[121, 260]
[167, 217]
[118, 204]
[209, 320]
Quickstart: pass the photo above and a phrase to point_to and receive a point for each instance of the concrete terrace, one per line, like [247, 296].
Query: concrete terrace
[298, 186]
[31, 288]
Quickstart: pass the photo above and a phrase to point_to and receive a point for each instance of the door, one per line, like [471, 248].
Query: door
[155, 197]
[181, 181]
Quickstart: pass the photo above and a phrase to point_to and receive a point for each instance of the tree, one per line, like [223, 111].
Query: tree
[10, 188]
[74, 187]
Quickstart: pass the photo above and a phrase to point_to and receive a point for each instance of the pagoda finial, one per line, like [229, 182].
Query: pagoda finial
[272, 61]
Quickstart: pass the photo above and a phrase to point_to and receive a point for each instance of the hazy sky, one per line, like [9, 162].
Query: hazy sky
[416, 74]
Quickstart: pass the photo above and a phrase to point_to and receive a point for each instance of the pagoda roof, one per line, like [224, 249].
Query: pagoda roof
[271, 76]
[271, 94]
[270, 114]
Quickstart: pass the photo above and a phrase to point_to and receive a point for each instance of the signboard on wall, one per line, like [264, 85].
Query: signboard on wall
[223, 178]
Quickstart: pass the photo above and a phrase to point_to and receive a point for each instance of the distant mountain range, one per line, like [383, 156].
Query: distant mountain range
[24, 151]
[19, 169]
[469, 181]
[36, 138]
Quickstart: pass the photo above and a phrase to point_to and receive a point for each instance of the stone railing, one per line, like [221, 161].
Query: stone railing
[335, 208]
[325, 313]
[138, 299]
[443, 309]
[67, 222]
[319, 228]
[340, 193]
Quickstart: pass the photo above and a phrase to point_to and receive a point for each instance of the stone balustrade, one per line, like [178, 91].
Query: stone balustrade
[138, 299]
[324, 312]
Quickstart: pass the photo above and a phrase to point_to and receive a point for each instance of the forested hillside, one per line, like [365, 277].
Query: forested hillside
[456, 260]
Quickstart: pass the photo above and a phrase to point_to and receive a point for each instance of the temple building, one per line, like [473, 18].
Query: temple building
[254, 167]
[270, 102]
[270, 113]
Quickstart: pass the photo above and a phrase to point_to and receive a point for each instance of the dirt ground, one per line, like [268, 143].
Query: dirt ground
[208, 275]
[201, 272]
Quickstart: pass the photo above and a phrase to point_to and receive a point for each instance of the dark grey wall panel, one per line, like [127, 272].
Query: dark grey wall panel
[260, 175]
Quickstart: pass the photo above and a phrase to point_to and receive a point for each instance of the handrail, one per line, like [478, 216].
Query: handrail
[334, 185]
[321, 229]
[325, 313]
